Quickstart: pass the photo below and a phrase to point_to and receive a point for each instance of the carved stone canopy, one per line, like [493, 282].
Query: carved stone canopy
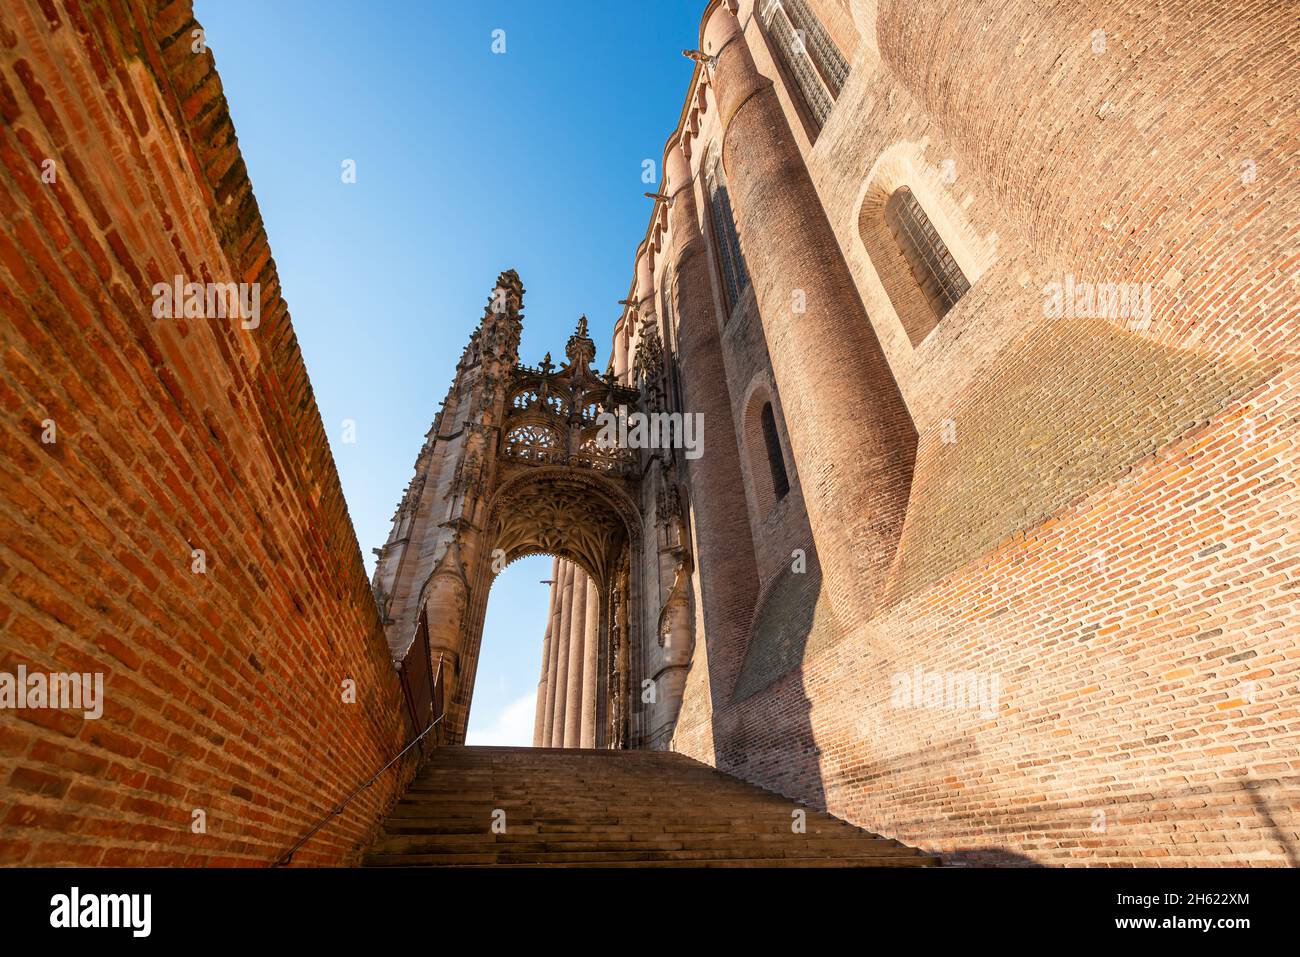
[649, 355]
[562, 515]
[554, 418]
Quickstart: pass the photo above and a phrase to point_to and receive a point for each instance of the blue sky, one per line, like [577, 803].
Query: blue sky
[468, 162]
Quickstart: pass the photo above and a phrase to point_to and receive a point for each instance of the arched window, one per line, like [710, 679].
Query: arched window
[735, 277]
[780, 481]
[808, 55]
[935, 271]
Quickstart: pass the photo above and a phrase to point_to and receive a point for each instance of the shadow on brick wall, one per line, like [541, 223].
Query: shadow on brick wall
[986, 857]
[764, 733]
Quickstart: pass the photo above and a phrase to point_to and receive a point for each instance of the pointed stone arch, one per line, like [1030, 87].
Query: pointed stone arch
[574, 514]
[512, 468]
[528, 501]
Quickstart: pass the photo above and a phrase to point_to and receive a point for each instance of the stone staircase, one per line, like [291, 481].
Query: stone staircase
[583, 808]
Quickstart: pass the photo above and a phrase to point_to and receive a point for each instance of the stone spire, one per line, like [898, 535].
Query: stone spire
[503, 319]
[444, 505]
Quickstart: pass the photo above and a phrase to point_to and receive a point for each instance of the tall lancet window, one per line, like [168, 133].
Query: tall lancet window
[775, 461]
[936, 272]
[735, 277]
[808, 54]
[670, 347]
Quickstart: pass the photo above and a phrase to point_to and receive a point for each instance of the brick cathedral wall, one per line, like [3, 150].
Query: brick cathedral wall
[1148, 645]
[1115, 532]
[224, 690]
[1145, 145]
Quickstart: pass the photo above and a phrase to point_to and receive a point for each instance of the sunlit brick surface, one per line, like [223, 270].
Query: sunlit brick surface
[224, 690]
[1102, 510]
[1093, 517]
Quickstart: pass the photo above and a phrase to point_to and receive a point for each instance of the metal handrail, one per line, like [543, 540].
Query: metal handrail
[287, 857]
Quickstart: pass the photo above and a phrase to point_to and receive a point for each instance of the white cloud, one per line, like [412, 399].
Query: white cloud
[512, 726]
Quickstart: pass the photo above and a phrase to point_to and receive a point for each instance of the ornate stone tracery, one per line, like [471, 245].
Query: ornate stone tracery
[648, 367]
[515, 467]
[553, 416]
[562, 512]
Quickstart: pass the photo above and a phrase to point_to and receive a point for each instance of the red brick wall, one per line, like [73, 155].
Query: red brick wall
[1148, 643]
[224, 690]
[779, 525]
[726, 574]
[1115, 532]
[1133, 160]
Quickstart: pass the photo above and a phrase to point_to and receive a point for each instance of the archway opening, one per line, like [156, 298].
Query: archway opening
[505, 693]
[588, 524]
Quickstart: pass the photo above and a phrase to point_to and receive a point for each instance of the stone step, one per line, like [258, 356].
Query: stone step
[632, 850]
[639, 838]
[510, 858]
[437, 844]
[541, 810]
[611, 823]
[405, 861]
[584, 808]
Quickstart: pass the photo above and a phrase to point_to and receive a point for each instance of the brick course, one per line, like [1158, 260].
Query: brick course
[1114, 531]
[224, 690]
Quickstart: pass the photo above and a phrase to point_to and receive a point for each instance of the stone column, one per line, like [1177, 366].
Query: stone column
[577, 636]
[590, 666]
[539, 721]
[561, 640]
[553, 653]
[540, 736]
[446, 603]
[834, 379]
[645, 286]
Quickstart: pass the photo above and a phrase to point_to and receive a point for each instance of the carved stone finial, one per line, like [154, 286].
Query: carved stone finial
[580, 349]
